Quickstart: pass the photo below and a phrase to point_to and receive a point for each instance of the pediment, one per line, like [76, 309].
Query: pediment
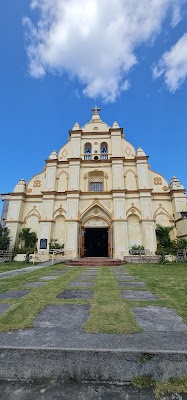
[96, 125]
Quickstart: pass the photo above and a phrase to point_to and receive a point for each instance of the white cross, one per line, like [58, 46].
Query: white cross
[96, 110]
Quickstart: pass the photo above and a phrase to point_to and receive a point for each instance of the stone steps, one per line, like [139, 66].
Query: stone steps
[94, 261]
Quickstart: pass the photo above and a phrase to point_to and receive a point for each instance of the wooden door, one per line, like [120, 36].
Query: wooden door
[110, 241]
[82, 237]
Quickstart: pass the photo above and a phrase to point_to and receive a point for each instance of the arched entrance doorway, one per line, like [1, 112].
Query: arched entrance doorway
[96, 234]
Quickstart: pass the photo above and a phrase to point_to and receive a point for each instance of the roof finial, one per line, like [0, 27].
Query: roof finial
[95, 110]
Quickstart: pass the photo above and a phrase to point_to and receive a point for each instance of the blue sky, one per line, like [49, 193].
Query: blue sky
[60, 58]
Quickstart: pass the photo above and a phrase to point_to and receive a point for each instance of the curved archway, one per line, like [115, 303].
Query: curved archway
[134, 211]
[96, 232]
[32, 221]
[163, 219]
[62, 181]
[130, 180]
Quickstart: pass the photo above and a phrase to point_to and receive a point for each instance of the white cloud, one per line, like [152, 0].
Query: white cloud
[94, 40]
[125, 85]
[173, 65]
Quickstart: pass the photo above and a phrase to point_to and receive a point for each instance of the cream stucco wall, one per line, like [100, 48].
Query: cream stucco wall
[57, 203]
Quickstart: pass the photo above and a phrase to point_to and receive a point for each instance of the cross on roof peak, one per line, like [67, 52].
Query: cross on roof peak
[95, 110]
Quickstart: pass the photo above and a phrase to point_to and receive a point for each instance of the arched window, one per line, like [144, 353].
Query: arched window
[87, 151]
[104, 151]
[96, 180]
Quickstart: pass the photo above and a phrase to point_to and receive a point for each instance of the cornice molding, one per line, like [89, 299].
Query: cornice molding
[74, 132]
[145, 190]
[147, 220]
[168, 194]
[113, 130]
[72, 220]
[16, 194]
[96, 193]
[119, 220]
[46, 220]
[49, 193]
[94, 134]
[13, 221]
[176, 191]
[73, 191]
[63, 162]
[96, 161]
[74, 159]
[34, 196]
[118, 191]
[113, 158]
[49, 161]
[141, 158]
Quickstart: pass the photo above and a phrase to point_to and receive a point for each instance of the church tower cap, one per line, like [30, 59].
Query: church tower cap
[53, 155]
[140, 152]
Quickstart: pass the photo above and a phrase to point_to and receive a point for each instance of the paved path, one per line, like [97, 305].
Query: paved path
[57, 334]
[21, 271]
[59, 391]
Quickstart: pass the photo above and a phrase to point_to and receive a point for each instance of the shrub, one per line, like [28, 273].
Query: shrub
[179, 244]
[54, 244]
[137, 249]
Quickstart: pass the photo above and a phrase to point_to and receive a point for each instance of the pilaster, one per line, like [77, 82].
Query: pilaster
[142, 170]
[117, 174]
[74, 174]
[76, 142]
[72, 237]
[51, 170]
[149, 236]
[120, 239]
[116, 141]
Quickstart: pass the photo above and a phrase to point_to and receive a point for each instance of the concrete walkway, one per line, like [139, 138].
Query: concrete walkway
[21, 271]
[57, 346]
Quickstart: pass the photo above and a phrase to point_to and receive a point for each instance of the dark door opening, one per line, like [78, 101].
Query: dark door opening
[96, 242]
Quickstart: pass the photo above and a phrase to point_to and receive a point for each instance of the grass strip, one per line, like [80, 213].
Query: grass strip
[12, 265]
[109, 313]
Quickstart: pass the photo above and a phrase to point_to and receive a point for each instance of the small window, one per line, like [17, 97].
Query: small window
[104, 151]
[88, 151]
[96, 186]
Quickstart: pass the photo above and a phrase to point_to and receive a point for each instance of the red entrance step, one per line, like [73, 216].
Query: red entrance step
[95, 261]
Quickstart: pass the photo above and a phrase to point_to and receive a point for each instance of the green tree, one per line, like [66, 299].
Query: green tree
[28, 239]
[164, 243]
[4, 238]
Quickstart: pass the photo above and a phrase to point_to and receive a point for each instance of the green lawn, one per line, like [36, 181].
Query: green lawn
[168, 281]
[109, 313]
[11, 265]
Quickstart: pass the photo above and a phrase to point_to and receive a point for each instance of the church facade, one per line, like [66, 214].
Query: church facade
[97, 196]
